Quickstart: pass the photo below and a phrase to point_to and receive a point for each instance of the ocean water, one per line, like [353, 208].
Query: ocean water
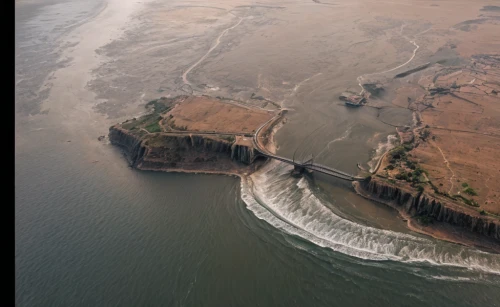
[92, 231]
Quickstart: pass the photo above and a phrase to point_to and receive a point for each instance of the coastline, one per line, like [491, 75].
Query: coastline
[442, 232]
[439, 230]
[275, 124]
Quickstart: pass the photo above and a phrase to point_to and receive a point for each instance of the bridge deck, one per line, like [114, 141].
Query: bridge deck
[307, 165]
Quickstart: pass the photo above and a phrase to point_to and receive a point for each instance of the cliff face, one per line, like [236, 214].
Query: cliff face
[189, 152]
[424, 205]
[131, 145]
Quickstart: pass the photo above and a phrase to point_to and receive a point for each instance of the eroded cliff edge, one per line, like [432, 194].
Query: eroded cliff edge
[183, 152]
[193, 134]
[434, 216]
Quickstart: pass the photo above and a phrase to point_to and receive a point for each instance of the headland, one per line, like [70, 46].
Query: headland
[199, 134]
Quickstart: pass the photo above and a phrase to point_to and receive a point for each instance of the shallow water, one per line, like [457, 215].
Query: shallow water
[91, 231]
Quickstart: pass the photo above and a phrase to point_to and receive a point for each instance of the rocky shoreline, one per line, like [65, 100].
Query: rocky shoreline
[435, 217]
[184, 153]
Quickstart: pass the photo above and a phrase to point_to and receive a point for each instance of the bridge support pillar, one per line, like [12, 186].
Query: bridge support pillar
[298, 171]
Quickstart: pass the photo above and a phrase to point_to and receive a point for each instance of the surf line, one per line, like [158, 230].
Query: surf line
[392, 69]
[217, 42]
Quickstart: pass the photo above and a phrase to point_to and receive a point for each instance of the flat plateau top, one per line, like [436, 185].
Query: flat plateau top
[201, 113]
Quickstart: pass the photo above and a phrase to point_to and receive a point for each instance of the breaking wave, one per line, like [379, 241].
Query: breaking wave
[290, 205]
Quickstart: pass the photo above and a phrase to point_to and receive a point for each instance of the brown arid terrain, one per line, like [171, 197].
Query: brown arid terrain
[443, 176]
[450, 153]
[195, 113]
[192, 134]
[458, 138]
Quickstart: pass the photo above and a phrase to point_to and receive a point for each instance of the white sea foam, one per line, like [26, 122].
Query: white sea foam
[290, 205]
[382, 148]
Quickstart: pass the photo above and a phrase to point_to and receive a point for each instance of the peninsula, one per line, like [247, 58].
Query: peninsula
[198, 134]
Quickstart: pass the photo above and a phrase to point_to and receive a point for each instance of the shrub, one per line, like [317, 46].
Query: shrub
[229, 138]
[467, 201]
[465, 185]
[425, 134]
[408, 147]
[402, 176]
[398, 152]
[482, 212]
[420, 188]
[470, 191]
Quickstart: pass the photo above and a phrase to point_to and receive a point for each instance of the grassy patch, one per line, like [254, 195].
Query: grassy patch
[470, 191]
[229, 138]
[136, 123]
[153, 127]
[467, 201]
[160, 105]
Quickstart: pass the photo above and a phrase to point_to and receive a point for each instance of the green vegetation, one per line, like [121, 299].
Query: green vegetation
[467, 201]
[229, 138]
[137, 123]
[398, 152]
[403, 176]
[465, 184]
[161, 105]
[420, 188]
[411, 164]
[150, 122]
[425, 134]
[470, 191]
[153, 127]
[408, 147]
[482, 212]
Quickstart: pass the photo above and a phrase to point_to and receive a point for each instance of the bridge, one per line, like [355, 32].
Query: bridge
[299, 166]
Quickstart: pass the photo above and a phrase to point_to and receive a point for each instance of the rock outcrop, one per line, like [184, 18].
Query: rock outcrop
[418, 204]
[162, 151]
[130, 144]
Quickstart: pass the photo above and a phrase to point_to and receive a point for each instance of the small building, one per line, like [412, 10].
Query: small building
[352, 99]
